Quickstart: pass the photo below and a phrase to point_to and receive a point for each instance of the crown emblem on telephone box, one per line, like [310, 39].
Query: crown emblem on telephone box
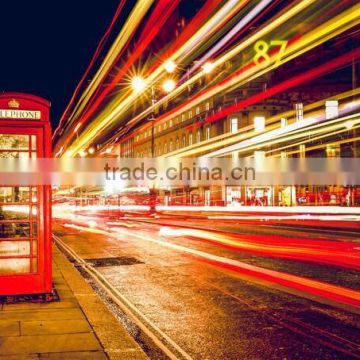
[14, 104]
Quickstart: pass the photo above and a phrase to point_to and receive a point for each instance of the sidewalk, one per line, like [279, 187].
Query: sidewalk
[79, 326]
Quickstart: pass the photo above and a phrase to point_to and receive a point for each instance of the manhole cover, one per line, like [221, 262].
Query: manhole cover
[114, 261]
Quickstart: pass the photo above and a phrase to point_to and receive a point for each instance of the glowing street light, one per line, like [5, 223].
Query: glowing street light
[82, 153]
[170, 66]
[138, 84]
[208, 67]
[169, 85]
[91, 150]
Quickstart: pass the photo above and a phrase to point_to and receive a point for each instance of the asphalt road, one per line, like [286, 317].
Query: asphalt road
[230, 293]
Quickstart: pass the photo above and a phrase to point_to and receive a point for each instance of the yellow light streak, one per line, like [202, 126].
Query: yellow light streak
[248, 131]
[320, 34]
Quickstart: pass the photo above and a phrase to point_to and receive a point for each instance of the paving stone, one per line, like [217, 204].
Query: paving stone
[54, 327]
[84, 355]
[48, 343]
[20, 357]
[40, 314]
[9, 328]
[66, 303]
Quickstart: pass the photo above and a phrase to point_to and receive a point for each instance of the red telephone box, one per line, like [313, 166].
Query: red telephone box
[25, 211]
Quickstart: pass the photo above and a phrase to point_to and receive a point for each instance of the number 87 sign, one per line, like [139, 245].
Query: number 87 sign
[262, 51]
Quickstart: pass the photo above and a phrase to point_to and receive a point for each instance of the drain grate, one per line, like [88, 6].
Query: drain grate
[114, 261]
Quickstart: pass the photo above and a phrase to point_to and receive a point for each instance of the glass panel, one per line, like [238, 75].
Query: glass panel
[14, 230]
[14, 212]
[14, 266]
[34, 212]
[34, 230]
[34, 198]
[14, 155]
[14, 248]
[35, 265]
[14, 194]
[33, 142]
[34, 248]
[14, 142]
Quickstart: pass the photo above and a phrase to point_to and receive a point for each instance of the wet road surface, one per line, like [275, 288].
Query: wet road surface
[211, 311]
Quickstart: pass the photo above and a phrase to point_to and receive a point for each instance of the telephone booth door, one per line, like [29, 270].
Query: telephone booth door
[25, 211]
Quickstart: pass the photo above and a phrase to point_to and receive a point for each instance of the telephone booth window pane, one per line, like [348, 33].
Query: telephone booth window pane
[34, 248]
[14, 194]
[34, 197]
[33, 142]
[14, 142]
[14, 212]
[14, 248]
[14, 266]
[34, 229]
[14, 230]
[34, 265]
[14, 155]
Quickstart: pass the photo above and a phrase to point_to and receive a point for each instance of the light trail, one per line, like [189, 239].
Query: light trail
[128, 98]
[248, 131]
[92, 62]
[159, 16]
[294, 131]
[223, 58]
[339, 254]
[304, 285]
[116, 110]
[331, 28]
[117, 48]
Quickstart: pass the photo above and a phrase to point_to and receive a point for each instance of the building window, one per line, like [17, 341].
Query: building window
[171, 146]
[333, 150]
[165, 125]
[207, 106]
[190, 138]
[331, 109]
[170, 123]
[177, 144]
[259, 155]
[183, 117]
[198, 136]
[207, 133]
[190, 114]
[165, 147]
[259, 123]
[183, 141]
[234, 125]
[299, 111]
[197, 110]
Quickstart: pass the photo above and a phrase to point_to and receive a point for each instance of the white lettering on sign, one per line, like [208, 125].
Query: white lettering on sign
[20, 114]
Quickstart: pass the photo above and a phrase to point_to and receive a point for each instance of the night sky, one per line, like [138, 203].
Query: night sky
[47, 45]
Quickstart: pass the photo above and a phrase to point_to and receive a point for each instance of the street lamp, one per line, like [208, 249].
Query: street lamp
[138, 84]
[169, 85]
[170, 66]
[208, 67]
